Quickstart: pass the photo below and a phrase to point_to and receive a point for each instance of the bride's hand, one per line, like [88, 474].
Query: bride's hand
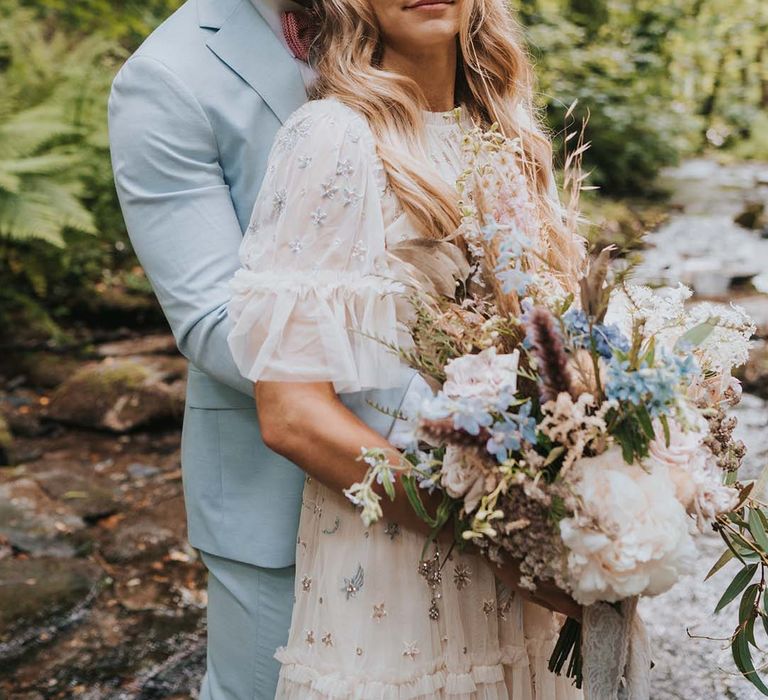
[547, 594]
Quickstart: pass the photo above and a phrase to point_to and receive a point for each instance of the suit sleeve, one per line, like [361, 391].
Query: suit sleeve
[177, 208]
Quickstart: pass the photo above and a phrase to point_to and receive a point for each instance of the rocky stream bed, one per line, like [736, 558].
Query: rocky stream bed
[102, 598]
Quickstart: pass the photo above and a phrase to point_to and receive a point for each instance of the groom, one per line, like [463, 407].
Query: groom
[192, 116]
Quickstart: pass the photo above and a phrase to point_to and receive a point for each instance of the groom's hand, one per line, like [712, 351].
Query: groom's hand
[547, 594]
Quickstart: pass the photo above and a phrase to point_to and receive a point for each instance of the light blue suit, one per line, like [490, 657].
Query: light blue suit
[193, 114]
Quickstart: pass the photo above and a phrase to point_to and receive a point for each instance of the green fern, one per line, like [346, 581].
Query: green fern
[52, 125]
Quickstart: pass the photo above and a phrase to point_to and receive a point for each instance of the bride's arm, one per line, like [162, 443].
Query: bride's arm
[308, 424]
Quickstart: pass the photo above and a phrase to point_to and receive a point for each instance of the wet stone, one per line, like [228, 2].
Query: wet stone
[39, 597]
[141, 540]
[33, 522]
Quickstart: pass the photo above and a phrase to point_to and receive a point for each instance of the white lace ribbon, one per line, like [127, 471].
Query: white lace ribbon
[617, 653]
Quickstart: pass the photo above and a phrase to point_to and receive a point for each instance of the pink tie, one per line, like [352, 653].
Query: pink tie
[300, 30]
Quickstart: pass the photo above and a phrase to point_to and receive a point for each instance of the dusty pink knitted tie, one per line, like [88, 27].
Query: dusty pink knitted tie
[300, 29]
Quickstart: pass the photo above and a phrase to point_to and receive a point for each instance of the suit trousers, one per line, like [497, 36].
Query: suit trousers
[249, 615]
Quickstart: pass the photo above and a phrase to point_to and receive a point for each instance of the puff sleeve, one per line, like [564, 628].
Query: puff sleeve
[314, 286]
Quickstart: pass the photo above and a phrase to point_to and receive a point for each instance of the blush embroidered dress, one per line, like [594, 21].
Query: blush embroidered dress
[315, 282]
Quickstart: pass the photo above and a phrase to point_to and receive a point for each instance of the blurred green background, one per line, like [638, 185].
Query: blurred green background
[661, 81]
[101, 596]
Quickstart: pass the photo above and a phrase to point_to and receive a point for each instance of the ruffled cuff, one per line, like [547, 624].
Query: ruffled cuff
[323, 326]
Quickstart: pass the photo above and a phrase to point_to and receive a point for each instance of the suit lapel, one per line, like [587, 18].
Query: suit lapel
[247, 45]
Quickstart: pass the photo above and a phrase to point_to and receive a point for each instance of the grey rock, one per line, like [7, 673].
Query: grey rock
[85, 497]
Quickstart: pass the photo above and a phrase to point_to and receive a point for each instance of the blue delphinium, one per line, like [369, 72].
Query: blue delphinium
[513, 244]
[468, 414]
[655, 387]
[607, 337]
[508, 434]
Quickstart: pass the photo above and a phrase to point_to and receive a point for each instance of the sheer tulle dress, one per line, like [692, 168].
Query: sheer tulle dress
[315, 283]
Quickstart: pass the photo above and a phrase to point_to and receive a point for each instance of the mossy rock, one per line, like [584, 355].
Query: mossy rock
[45, 370]
[119, 395]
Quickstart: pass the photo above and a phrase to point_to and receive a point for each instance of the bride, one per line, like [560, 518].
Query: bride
[370, 163]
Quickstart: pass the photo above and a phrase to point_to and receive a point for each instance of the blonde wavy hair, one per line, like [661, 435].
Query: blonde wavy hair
[494, 85]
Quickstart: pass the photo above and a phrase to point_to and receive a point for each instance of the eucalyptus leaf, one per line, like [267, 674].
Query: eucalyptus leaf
[757, 528]
[742, 656]
[747, 604]
[725, 557]
[696, 335]
[739, 583]
[732, 547]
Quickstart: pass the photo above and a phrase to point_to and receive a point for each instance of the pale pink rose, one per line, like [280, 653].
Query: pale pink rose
[482, 376]
[463, 476]
[693, 470]
[716, 389]
[685, 455]
[630, 535]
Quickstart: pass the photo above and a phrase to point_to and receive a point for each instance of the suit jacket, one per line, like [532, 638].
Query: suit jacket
[193, 114]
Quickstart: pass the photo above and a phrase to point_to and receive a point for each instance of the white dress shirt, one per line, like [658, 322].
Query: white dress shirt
[271, 10]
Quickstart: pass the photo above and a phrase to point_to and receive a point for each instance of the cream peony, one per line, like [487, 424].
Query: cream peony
[693, 470]
[631, 535]
[482, 376]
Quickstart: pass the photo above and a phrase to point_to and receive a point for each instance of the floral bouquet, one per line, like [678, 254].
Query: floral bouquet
[582, 432]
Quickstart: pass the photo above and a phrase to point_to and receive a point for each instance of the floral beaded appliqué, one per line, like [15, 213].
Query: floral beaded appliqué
[279, 200]
[329, 189]
[353, 585]
[291, 135]
[319, 217]
[462, 576]
[411, 650]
